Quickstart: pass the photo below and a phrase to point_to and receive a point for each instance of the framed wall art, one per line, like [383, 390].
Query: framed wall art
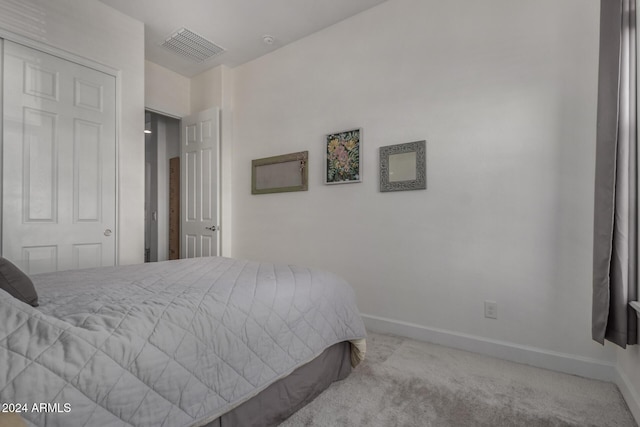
[403, 167]
[343, 157]
[280, 174]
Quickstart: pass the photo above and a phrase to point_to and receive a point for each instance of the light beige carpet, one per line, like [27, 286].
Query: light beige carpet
[410, 383]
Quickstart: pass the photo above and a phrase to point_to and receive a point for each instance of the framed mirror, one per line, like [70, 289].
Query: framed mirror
[280, 174]
[403, 167]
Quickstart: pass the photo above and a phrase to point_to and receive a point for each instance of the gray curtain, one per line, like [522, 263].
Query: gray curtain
[615, 219]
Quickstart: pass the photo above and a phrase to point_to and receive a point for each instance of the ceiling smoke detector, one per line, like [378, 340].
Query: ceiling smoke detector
[191, 45]
[268, 39]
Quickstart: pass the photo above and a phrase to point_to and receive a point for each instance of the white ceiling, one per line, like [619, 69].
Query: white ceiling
[236, 25]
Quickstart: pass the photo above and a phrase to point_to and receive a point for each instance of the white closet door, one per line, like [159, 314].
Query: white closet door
[58, 164]
[200, 181]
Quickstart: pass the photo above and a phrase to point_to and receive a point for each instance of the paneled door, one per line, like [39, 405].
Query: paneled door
[58, 163]
[200, 180]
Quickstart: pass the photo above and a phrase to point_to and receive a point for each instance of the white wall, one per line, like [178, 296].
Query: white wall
[505, 94]
[226, 161]
[206, 90]
[90, 29]
[166, 91]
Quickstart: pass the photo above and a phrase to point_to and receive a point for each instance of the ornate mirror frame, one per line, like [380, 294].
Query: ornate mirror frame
[418, 176]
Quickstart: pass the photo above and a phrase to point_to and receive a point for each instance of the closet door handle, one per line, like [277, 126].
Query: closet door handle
[212, 228]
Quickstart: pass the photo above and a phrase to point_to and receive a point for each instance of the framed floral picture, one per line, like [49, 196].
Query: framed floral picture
[343, 162]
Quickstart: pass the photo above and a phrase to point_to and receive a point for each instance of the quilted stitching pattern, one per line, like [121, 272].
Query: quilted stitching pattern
[166, 344]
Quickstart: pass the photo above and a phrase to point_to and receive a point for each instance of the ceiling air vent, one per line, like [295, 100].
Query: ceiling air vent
[192, 46]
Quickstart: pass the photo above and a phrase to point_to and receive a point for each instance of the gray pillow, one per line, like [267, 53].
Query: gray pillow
[18, 284]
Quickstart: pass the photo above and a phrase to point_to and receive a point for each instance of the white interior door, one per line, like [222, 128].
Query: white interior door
[200, 185]
[59, 163]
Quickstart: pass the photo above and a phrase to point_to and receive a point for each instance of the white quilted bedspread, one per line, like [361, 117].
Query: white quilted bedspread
[173, 343]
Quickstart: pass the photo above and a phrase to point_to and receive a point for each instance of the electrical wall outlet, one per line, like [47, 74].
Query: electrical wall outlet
[491, 309]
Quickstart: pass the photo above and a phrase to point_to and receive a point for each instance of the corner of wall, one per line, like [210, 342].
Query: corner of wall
[628, 377]
[206, 90]
[629, 393]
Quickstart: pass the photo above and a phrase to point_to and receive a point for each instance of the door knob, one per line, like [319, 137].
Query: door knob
[212, 228]
[107, 232]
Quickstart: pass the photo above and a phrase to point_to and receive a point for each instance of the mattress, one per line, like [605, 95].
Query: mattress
[177, 343]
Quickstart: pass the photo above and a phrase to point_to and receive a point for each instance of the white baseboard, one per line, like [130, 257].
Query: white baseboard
[630, 395]
[555, 361]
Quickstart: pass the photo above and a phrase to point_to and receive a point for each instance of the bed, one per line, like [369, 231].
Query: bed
[199, 342]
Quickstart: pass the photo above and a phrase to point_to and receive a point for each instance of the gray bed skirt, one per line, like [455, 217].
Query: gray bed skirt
[281, 399]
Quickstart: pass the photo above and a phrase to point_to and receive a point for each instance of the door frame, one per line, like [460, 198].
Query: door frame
[85, 62]
[218, 175]
[161, 120]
